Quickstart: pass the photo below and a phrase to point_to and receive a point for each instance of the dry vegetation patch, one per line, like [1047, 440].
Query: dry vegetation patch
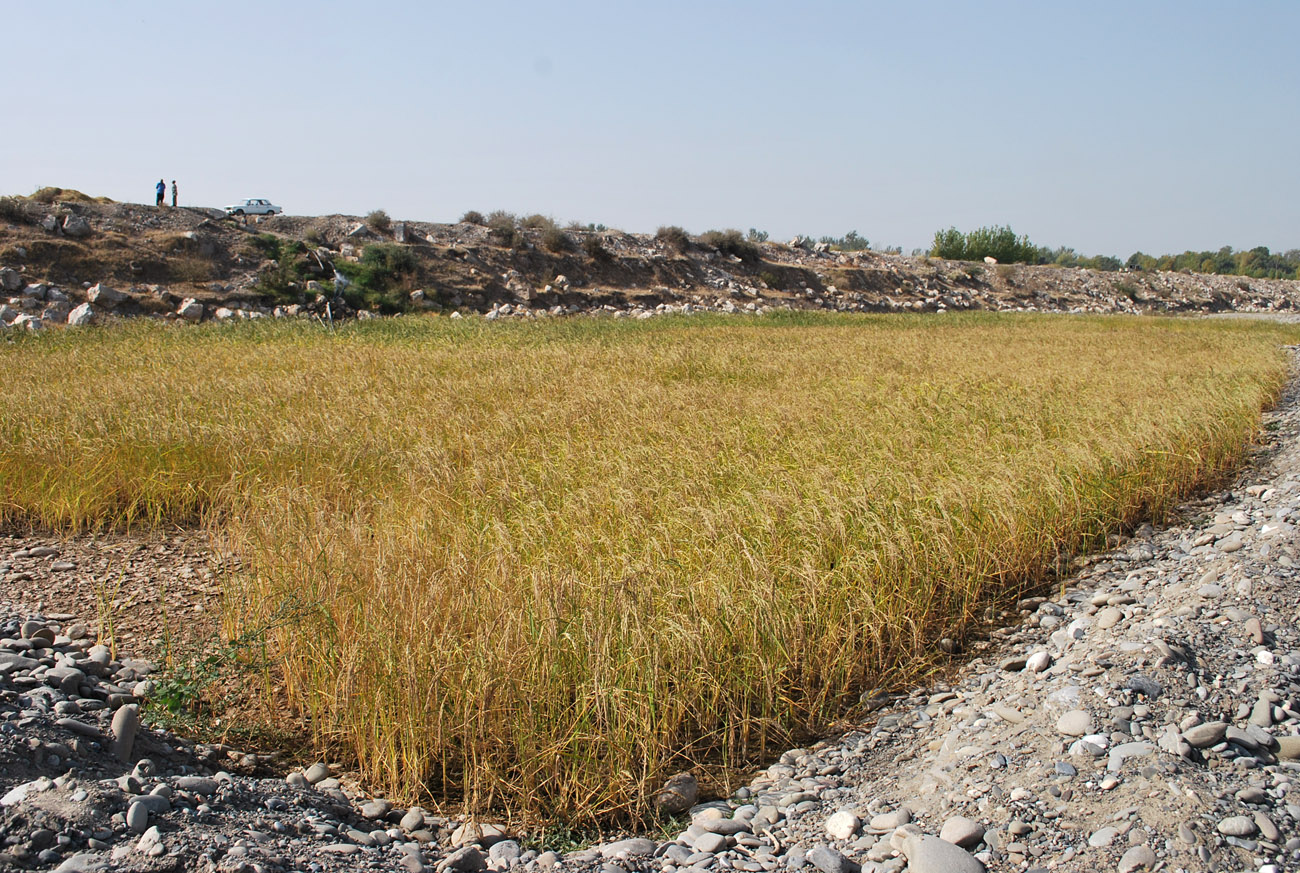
[540, 565]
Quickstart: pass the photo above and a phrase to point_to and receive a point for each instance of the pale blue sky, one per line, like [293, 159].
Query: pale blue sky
[1107, 126]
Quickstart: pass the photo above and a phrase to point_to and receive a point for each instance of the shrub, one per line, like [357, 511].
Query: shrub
[596, 250]
[314, 236]
[537, 221]
[986, 242]
[67, 195]
[282, 281]
[556, 240]
[502, 229]
[379, 221]
[772, 280]
[13, 209]
[376, 280]
[473, 217]
[731, 242]
[756, 235]
[674, 238]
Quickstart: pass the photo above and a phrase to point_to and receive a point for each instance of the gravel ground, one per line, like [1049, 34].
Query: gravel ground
[1146, 718]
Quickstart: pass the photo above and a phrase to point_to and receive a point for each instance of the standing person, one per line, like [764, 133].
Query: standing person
[161, 190]
[173, 193]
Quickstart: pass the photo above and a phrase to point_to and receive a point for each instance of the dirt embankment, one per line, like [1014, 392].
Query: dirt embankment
[153, 261]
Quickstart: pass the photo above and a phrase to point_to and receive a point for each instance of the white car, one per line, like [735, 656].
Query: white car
[253, 206]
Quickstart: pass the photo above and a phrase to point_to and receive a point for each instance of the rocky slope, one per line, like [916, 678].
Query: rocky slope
[80, 262]
[1146, 716]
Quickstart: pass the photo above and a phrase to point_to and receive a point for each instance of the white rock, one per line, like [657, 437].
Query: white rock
[190, 309]
[103, 295]
[1038, 662]
[81, 315]
[843, 825]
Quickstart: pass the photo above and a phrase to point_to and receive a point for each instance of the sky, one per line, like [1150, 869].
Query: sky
[1110, 127]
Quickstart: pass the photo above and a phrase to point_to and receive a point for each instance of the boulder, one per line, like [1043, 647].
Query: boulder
[679, 794]
[103, 295]
[190, 309]
[75, 226]
[10, 279]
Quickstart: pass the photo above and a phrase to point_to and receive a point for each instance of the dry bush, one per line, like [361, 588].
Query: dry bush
[674, 237]
[379, 221]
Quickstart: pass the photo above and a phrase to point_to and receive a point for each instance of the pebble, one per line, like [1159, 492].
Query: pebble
[827, 860]
[927, 854]
[1075, 723]
[1237, 826]
[137, 817]
[962, 831]
[1137, 858]
[1109, 617]
[840, 826]
[1038, 662]
[888, 821]
[126, 721]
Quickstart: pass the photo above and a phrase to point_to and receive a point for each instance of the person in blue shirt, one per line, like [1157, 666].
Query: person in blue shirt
[161, 189]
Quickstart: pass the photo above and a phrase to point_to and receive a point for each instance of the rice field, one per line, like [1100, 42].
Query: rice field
[538, 567]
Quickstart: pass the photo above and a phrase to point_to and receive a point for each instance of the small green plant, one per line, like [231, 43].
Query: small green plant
[772, 280]
[562, 838]
[182, 689]
[283, 280]
[314, 237]
[473, 217]
[379, 221]
[1128, 289]
[106, 603]
[674, 238]
[1006, 272]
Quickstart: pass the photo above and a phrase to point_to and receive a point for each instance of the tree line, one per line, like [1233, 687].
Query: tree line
[1006, 247]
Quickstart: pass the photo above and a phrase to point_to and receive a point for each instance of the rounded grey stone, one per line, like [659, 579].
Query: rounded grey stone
[1075, 723]
[137, 817]
[1237, 826]
[962, 831]
[1137, 858]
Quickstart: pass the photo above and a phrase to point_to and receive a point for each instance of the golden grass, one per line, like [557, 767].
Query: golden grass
[546, 564]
